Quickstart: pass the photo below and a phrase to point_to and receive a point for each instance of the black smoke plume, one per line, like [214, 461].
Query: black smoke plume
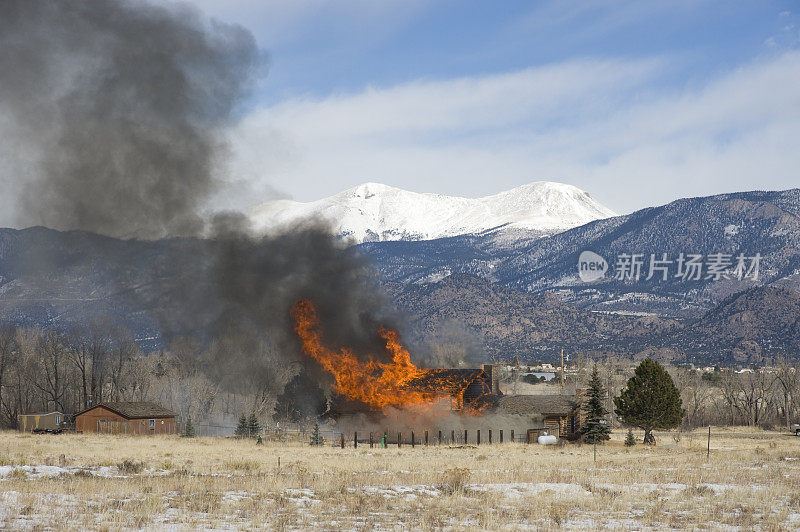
[119, 109]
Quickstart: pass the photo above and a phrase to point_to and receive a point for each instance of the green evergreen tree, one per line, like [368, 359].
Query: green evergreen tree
[253, 426]
[650, 400]
[316, 438]
[242, 428]
[188, 430]
[595, 428]
[630, 441]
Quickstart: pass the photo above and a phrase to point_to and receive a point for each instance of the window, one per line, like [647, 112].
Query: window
[152, 423]
[58, 420]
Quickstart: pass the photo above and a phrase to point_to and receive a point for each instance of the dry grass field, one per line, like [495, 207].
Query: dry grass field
[752, 481]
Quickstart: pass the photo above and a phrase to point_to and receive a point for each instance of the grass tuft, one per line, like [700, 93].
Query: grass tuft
[241, 464]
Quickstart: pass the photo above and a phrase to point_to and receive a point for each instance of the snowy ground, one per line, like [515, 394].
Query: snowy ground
[750, 483]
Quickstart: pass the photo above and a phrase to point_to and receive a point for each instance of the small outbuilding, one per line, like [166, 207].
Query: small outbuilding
[46, 422]
[560, 414]
[533, 415]
[126, 418]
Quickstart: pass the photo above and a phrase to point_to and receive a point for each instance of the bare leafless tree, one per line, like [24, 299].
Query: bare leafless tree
[50, 373]
[122, 355]
[8, 352]
[787, 385]
[696, 393]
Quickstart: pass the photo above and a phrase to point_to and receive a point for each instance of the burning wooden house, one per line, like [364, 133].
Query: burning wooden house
[396, 392]
[475, 401]
[464, 386]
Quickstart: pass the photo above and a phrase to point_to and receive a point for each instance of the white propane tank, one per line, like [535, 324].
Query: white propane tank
[547, 439]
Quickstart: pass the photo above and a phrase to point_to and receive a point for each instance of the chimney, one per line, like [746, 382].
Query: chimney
[492, 373]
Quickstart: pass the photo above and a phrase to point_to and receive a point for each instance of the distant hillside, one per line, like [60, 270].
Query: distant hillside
[749, 223]
[506, 322]
[747, 327]
[751, 327]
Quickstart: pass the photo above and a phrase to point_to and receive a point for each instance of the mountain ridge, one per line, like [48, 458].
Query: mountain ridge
[510, 294]
[759, 222]
[375, 212]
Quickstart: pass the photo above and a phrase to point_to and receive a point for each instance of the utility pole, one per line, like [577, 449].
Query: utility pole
[562, 370]
[515, 374]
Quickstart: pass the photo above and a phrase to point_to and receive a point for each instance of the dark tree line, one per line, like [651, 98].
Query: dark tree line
[46, 370]
[767, 397]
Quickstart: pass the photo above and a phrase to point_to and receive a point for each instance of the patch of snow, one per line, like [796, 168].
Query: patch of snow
[731, 230]
[520, 489]
[47, 471]
[235, 496]
[407, 492]
[376, 212]
[640, 487]
[720, 488]
[303, 496]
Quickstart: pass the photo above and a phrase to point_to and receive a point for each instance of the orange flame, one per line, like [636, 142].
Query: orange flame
[377, 384]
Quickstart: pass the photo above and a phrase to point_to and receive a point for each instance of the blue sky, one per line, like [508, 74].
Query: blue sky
[636, 102]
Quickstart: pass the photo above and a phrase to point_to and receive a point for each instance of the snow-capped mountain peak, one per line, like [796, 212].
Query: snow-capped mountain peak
[377, 212]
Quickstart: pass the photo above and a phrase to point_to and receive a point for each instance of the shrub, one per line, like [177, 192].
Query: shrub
[188, 430]
[242, 429]
[253, 426]
[630, 440]
[130, 466]
[699, 490]
[455, 480]
[316, 438]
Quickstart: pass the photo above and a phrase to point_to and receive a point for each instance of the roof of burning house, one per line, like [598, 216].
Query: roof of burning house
[134, 410]
[559, 405]
[444, 380]
[436, 382]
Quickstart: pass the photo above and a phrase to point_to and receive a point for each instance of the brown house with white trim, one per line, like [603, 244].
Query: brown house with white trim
[126, 418]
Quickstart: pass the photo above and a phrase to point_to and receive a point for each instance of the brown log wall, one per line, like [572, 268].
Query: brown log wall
[101, 419]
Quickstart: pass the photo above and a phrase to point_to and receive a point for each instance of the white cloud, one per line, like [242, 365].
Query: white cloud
[282, 21]
[597, 124]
